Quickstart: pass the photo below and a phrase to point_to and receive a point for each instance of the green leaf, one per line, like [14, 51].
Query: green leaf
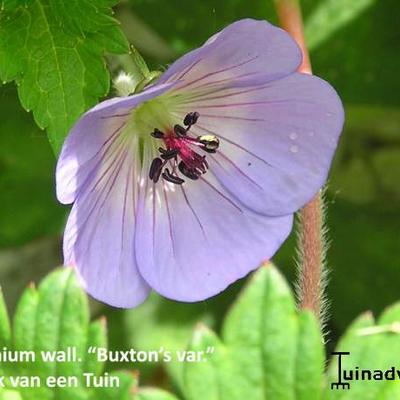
[268, 349]
[373, 346]
[62, 319]
[262, 328]
[27, 197]
[363, 74]
[81, 16]
[59, 74]
[310, 359]
[9, 395]
[5, 330]
[387, 167]
[154, 394]
[161, 323]
[24, 328]
[97, 337]
[329, 16]
[125, 390]
[55, 318]
[206, 379]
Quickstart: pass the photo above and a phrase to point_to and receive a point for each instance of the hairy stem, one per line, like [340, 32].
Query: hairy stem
[311, 243]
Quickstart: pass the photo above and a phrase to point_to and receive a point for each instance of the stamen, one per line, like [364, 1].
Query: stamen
[155, 169]
[172, 178]
[190, 173]
[157, 134]
[191, 118]
[180, 131]
[210, 143]
[178, 143]
[168, 154]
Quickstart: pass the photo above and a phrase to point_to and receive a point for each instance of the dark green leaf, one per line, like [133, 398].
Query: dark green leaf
[59, 75]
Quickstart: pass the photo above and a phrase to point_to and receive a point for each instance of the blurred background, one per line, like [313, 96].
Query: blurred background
[355, 45]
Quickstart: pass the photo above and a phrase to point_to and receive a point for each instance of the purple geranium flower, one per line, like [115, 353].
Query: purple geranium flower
[189, 185]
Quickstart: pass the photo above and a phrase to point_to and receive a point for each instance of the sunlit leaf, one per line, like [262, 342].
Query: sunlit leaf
[59, 74]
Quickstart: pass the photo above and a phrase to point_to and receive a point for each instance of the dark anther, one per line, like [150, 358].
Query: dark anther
[210, 143]
[172, 178]
[191, 118]
[179, 130]
[157, 134]
[155, 169]
[188, 172]
[168, 154]
[180, 145]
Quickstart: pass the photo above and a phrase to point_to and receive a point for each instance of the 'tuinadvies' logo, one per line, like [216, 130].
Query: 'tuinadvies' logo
[357, 374]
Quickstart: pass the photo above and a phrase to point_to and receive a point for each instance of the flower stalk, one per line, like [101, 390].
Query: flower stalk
[311, 231]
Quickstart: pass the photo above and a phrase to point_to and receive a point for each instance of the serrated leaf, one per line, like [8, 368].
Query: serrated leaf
[149, 329]
[268, 349]
[154, 394]
[262, 328]
[59, 75]
[82, 16]
[97, 337]
[62, 319]
[372, 346]
[24, 329]
[208, 379]
[310, 359]
[51, 319]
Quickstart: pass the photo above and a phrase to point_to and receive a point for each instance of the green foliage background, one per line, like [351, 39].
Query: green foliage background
[59, 60]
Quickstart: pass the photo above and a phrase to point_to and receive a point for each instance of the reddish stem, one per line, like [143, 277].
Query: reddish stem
[311, 215]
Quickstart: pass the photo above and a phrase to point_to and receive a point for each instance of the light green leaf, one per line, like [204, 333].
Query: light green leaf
[97, 337]
[5, 330]
[9, 395]
[163, 323]
[211, 378]
[125, 390]
[330, 16]
[310, 359]
[154, 394]
[55, 318]
[372, 346]
[262, 328]
[24, 329]
[268, 349]
[59, 74]
[62, 319]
